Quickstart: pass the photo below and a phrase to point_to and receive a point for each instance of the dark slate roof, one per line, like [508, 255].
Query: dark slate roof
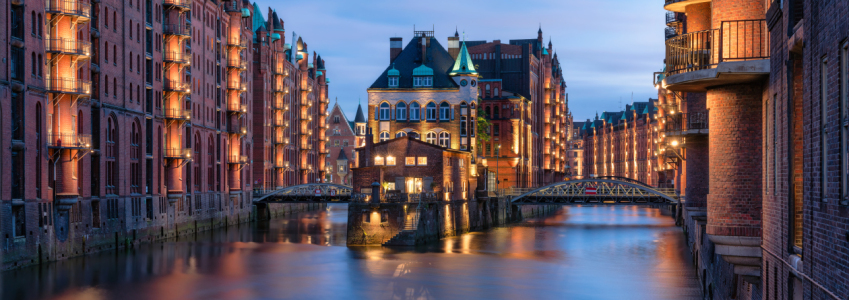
[535, 42]
[474, 43]
[639, 107]
[410, 58]
[342, 155]
[351, 123]
[360, 117]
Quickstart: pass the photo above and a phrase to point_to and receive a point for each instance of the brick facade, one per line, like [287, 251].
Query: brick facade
[141, 111]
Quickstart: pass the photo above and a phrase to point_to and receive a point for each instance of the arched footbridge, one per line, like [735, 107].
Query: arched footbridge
[594, 191]
[308, 193]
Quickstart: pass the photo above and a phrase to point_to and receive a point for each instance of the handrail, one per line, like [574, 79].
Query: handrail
[736, 40]
[68, 7]
[68, 46]
[176, 57]
[68, 86]
[69, 140]
[177, 29]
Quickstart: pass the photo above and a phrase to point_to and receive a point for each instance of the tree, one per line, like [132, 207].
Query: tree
[482, 128]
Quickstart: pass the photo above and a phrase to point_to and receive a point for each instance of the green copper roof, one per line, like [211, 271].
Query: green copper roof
[624, 117]
[422, 71]
[463, 64]
[246, 13]
[318, 73]
[544, 51]
[258, 20]
[275, 37]
[327, 80]
[646, 111]
[393, 72]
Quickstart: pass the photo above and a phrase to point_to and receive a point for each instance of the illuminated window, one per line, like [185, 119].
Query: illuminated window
[410, 161]
[445, 139]
[422, 161]
[431, 137]
[390, 160]
[378, 161]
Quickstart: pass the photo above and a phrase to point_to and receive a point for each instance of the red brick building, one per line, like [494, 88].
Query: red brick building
[341, 141]
[523, 93]
[411, 166]
[134, 119]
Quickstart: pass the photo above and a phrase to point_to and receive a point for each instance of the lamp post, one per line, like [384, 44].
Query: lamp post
[497, 179]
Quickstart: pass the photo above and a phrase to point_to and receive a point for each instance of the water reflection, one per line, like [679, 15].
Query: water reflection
[579, 253]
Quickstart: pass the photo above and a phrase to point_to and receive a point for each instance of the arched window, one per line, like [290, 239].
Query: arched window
[431, 137]
[463, 127]
[106, 86]
[34, 65]
[135, 157]
[40, 26]
[495, 112]
[464, 109]
[384, 136]
[444, 111]
[445, 139]
[414, 111]
[32, 20]
[415, 135]
[384, 111]
[431, 111]
[401, 111]
[111, 160]
[401, 134]
[210, 164]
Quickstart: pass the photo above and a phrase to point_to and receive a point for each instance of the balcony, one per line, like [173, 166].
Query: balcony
[679, 5]
[280, 88]
[237, 42]
[237, 159]
[279, 105]
[280, 122]
[177, 153]
[177, 114]
[237, 108]
[237, 63]
[236, 85]
[737, 52]
[669, 32]
[176, 57]
[68, 141]
[305, 131]
[68, 46]
[306, 147]
[176, 86]
[685, 124]
[673, 18]
[75, 8]
[236, 128]
[180, 30]
[182, 5]
[281, 71]
[68, 86]
[280, 140]
[281, 164]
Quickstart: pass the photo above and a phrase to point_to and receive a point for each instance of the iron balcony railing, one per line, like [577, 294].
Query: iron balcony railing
[237, 42]
[280, 71]
[68, 46]
[280, 122]
[180, 4]
[237, 128]
[673, 17]
[177, 29]
[177, 114]
[238, 159]
[177, 153]
[281, 164]
[734, 41]
[685, 122]
[669, 32]
[176, 86]
[176, 57]
[279, 105]
[279, 87]
[236, 85]
[237, 108]
[68, 86]
[69, 141]
[78, 8]
[237, 63]
[281, 140]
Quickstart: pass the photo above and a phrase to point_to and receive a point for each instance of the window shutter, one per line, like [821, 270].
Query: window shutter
[399, 184]
[391, 112]
[452, 113]
[426, 182]
[377, 113]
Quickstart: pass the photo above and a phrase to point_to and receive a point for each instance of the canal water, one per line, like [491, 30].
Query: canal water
[610, 252]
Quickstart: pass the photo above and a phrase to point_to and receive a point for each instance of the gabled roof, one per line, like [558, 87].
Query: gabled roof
[463, 64]
[342, 112]
[342, 155]
[436, 58]
[360, 117]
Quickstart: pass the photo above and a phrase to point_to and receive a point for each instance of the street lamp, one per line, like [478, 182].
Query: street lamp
[497, 179]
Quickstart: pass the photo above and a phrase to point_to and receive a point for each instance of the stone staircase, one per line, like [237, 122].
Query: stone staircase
[407, 235]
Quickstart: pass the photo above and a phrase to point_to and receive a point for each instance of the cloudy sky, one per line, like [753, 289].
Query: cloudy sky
[608, 48]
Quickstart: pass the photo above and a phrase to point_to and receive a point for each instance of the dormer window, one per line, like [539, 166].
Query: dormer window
[423, 76]
[393, 81]
[393, 76]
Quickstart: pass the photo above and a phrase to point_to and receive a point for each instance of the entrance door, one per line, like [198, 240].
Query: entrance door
[413, 185]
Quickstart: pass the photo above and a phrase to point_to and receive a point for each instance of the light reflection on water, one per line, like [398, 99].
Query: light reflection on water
[621, 252]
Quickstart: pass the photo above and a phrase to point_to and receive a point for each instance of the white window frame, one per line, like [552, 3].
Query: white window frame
[414, 111]
[444, 111]
[445, 139]
[431, 138]
[384, 136]
[401, 111]
[384, 111]
[417, 81]
[400, 134]
[431, 111]
[393, 81]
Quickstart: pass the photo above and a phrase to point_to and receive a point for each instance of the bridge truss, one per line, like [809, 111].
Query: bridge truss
[309, 193]
[595, 191]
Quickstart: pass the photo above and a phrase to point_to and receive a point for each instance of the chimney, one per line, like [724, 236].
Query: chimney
[394, 48]
[364, 160]
[454, 46]
[423, 43]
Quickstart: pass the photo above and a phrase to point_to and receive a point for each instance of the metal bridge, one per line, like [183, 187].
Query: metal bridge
[594, 191]
[308, 193]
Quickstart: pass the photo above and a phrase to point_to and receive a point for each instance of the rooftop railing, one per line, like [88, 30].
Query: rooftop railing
[734, 41]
